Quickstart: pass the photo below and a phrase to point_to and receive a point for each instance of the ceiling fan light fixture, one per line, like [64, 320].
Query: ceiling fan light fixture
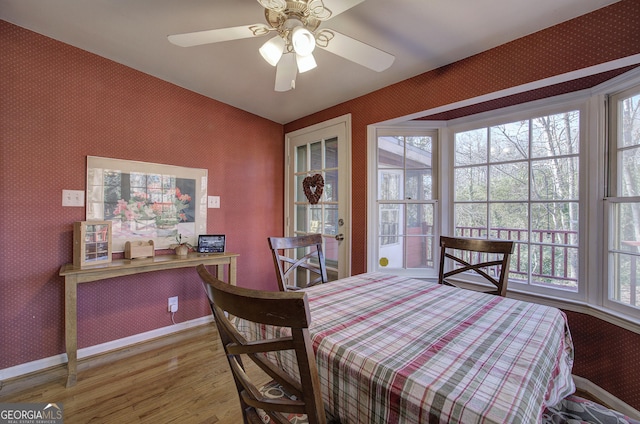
[275, 5]
[272, 50]
[303, 41]
[297, 23]
[305, 63]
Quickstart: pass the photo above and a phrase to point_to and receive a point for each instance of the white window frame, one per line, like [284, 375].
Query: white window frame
[592, 295]
[526, 112]
[407, 129]
[628, 87]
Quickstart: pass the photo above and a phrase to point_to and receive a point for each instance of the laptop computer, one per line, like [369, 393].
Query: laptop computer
[211, 243]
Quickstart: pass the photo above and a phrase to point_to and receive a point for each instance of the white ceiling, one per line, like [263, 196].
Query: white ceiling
[421, 34]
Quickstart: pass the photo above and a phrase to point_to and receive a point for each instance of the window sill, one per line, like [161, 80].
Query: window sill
[613, 317]
[608, 315]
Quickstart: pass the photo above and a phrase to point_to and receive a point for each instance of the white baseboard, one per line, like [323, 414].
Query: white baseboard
[52, 361]
[606, 397]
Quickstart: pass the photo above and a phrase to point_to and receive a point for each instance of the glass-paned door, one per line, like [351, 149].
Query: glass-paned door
[318, 193]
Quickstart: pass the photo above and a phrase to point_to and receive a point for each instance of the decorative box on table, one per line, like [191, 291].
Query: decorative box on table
[91, 243]
[139, 249]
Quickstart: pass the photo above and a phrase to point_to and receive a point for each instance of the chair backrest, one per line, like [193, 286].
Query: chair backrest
[482, 256]
[270, 308]
[288, 264]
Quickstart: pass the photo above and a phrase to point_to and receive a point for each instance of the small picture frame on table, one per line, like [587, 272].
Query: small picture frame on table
[211, 243]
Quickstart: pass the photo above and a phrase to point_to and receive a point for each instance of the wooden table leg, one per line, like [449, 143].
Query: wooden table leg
[232, 271]
[71, 327]
[220, 272]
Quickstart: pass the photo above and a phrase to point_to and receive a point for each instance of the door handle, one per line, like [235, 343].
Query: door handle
[339, 237]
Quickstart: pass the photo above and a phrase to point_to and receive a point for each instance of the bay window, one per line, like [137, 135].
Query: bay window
[558, 176]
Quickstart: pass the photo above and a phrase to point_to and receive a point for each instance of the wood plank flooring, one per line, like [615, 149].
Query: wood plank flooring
[180, 378]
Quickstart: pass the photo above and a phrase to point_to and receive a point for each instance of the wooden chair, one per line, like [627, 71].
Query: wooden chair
[269, 308]
[287, 269]
[477, 255]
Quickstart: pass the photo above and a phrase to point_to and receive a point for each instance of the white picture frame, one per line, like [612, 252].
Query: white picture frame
[147, 201]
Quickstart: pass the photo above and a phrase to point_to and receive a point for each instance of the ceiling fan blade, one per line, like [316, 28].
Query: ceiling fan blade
[354, 50]
[197, 38]
[286, 72]
[318, 8]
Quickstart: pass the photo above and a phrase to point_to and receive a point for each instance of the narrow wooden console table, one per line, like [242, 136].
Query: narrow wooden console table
[118, 268]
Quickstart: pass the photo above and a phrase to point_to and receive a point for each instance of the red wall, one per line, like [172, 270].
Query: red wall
[60, 104]
[607, 355]
[607, 34]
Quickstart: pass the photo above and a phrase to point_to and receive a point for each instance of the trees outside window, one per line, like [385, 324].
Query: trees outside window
[558, 176]
[624, 199]
[519, 181]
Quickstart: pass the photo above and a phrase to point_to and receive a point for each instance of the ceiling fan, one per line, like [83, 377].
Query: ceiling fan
[296, 23]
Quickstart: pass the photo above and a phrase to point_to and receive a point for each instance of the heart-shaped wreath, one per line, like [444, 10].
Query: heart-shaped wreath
[313, 187]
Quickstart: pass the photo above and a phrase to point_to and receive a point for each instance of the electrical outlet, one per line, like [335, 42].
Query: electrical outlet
[214, 202]
[72, 198]
[173, 304]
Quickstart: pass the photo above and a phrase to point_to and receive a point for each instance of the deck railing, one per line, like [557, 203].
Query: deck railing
[550, 247]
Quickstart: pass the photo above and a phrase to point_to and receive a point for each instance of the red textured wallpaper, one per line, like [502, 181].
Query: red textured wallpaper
[529, 96]
[607, 34]
[60, 104]
[607, 355]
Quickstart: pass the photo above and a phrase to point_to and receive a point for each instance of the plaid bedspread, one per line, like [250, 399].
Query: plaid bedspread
[396, 350]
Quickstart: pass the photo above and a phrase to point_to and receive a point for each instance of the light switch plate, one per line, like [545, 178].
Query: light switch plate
[214, 201]
[72, 198]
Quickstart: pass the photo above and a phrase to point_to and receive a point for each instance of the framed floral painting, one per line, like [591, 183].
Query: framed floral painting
[147, 201]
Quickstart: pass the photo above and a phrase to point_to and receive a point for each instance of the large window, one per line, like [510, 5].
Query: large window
[405, 199]
[519, 181]
[558, 176]
[624, 199]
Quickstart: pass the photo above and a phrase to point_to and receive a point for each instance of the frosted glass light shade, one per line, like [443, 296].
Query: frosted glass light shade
[272, 50]
[305, 63]
[303, 41]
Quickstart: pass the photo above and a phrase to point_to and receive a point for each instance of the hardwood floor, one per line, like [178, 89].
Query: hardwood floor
[181, 378]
